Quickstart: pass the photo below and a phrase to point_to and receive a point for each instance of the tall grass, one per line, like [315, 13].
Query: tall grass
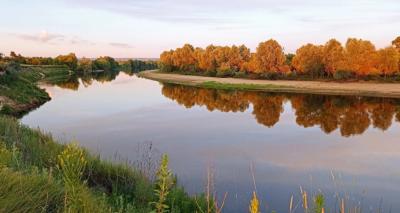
[80, 181]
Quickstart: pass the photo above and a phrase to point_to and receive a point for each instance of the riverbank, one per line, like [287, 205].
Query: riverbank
[372, 89]
[19, 91]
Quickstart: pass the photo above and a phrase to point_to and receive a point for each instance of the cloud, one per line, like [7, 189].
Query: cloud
[52, 38]
[211, 12]
[43, 37]
[120, 45]
[76, 40]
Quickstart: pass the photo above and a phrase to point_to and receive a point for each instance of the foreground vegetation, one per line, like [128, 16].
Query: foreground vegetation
[40, 175]
[358, 59]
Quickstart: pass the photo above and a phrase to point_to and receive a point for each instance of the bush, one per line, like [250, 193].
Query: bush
[240, 74]
[372, 77]
[7, 110]
[291, 75]
[343, 75]
[211, 73]
[396, 76]
[270, 75]
[225, 73]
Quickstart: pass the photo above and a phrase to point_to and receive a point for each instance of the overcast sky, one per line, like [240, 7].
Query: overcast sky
[144, 28]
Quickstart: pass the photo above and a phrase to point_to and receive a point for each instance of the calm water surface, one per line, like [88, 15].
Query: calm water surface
[340, 146]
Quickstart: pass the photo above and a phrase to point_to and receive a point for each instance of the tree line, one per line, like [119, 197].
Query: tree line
[357, 58]
[103, 63]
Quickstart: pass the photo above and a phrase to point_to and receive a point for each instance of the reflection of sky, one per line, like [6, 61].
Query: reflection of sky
[116, 116]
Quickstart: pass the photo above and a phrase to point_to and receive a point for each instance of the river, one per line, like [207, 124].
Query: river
[347, 148]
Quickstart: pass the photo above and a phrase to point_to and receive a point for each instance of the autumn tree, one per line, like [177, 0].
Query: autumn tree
[333, 56]
[205, 58]
[396, 43]
[309, 60]
[250, 65]
[269, 56]
[237, 56]
[85, 65]
[184, 59]
[388, 61]
[361, 57]
[167, 61]
[70, 60]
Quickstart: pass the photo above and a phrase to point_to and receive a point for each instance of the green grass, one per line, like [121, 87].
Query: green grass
[29, 191]
[46, 73]
[21, 91]
[230, 86]
[29, 170]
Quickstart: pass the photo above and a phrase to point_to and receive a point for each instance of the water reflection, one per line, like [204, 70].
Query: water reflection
[72, 82]
[351, 115]
[272, 131]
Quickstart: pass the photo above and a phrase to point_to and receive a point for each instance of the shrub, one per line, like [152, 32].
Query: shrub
[343, 75]
[240, 74]
[225, 73]
[291, 75]
[211, 73]
[270, 75]
[7, 110]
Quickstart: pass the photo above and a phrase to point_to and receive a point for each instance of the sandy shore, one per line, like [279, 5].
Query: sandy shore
[315, 87]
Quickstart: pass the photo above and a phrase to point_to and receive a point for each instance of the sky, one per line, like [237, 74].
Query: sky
[145, 28]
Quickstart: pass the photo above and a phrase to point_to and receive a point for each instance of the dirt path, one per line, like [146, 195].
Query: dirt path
[315, 87]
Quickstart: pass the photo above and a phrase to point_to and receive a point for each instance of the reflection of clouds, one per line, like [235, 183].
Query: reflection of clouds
[370, 157]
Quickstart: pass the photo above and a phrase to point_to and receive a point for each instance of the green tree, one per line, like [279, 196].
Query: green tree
[105, 63]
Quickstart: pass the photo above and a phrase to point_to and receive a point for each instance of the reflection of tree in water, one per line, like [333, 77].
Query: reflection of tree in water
[72, 82]
[267, 107]
[351, 115]
[382, 114]
[225, 101]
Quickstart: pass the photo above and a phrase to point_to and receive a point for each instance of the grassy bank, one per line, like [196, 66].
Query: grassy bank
[36, 177]
[229, 86]
[368, 89]
[19, 92]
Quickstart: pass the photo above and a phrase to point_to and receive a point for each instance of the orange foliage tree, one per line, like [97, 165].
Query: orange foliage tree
[388, 61]
[361, 57]
[183, 58]
[358, 56]
[309, 59]
[333, 56]
[396, 43]
[269, 57]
